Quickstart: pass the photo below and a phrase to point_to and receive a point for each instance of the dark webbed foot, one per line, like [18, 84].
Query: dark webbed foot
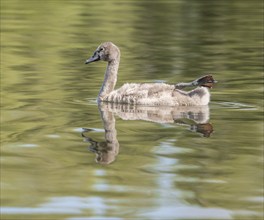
[205, 81]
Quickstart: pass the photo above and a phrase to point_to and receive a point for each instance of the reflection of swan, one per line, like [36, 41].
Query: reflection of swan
[196, 117]
[147, 93]
[105, 151]
[160, 114]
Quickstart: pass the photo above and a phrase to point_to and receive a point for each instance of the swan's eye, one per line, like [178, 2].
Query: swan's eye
[101, 49]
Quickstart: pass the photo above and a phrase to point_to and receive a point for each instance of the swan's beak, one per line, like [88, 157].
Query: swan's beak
[94, 58]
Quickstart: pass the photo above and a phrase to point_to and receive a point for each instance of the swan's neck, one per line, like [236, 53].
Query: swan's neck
[109, 79]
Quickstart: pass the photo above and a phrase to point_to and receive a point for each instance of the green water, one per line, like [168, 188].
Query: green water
[160, 166]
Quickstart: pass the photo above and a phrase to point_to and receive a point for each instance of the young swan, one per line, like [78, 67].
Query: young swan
[151, 94]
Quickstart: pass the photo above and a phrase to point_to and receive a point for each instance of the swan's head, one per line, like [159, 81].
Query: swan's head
[107, 52]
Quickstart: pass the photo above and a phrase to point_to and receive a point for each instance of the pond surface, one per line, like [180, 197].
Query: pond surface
[130, 161]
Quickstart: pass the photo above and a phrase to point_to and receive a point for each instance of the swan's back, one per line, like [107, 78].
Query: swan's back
[158, 94]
